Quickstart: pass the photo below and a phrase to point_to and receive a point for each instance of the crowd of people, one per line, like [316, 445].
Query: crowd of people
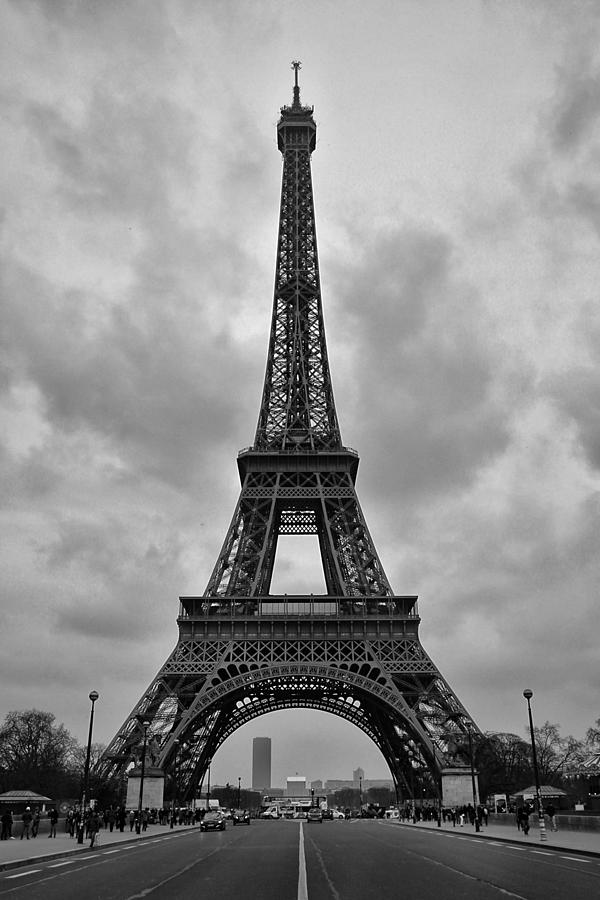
[470, 815]
[27, 824]
[457, 815]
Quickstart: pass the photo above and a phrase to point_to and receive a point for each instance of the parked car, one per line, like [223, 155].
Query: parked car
[240, 817]
[214, 820]
[300, 814]
[315, 814]
[328, 814]
[337, 814]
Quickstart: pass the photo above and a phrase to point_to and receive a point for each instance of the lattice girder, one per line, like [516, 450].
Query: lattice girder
[274, 506]
[297, 410]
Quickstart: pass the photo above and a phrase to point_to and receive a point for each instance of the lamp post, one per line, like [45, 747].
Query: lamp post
[528, 694]
[138, 827]
[93, 695]
[175, 782]
[473, 785]
[360, 791]
[411, 757]
[239, 792]
[208, 787]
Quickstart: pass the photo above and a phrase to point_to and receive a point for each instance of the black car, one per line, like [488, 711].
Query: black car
[214, 820]
[315, 814]
[240, 817]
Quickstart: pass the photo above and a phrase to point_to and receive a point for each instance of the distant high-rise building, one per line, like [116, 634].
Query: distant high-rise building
[358, 775]
[261, 763]
[296, 786]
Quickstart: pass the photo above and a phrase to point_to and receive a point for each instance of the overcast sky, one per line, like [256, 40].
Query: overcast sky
[457, 194]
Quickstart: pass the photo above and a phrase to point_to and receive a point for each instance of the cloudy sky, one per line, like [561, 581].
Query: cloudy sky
[457, 194]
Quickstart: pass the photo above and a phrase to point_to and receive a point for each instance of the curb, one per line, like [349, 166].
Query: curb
[45, 857]
[506, 840]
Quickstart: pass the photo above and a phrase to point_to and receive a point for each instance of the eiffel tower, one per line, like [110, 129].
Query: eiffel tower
[354, 651]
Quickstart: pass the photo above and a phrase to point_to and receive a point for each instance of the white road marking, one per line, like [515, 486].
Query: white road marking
[23, 874]
[577, 859]
[542, 852]
[67, 862]
[302, 887]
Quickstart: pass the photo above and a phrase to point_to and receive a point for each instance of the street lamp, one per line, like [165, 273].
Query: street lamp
[175, 782]
[145, 726]
[528, 694]
[473, 786]
[411, 757]
[208, 787]
[360, 791]
[239, 803]
[93, 695]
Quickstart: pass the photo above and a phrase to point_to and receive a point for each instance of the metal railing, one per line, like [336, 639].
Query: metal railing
[299, 606]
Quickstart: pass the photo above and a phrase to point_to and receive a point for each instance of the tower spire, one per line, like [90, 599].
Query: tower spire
[296, 65]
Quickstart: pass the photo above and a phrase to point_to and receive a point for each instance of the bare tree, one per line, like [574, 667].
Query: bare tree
[555, 755]
[592, 738]
[36, 754]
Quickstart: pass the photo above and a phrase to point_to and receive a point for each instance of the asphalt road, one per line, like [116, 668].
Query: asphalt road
[290, 860]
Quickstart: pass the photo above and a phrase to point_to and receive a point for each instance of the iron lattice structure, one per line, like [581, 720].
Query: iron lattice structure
[242, 652]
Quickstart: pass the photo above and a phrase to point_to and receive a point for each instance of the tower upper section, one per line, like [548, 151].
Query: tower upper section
[297, 411]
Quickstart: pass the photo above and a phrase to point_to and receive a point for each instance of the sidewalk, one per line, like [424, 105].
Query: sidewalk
[571, 841]
[17, 852]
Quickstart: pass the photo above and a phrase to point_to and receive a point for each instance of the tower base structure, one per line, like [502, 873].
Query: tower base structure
[457, 787]
[153, 791]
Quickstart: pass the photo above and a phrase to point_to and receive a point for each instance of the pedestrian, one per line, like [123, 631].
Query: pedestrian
[485, 816]
[551, 813]
[53, 817]
[111, 818]
[35, 823]
[145, 819]
[131, 819]
[7, 824]
[523, 820]
[93, 826]
[121, 817]
[26, 819]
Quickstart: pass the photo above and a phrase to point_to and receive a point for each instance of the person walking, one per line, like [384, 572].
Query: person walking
[551, 813]
[35, 823]
[53, 817]
[523, 820]
[93, 826]
[7, 824]
[26, 819]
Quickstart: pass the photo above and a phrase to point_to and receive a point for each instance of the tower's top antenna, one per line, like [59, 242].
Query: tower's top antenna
[296, 64]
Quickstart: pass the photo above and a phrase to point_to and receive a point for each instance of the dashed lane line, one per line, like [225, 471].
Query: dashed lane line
[23, 874]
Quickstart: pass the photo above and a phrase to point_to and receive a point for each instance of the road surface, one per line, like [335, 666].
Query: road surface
[294, 860]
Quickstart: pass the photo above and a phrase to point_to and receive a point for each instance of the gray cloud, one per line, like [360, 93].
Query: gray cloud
[411, 323]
